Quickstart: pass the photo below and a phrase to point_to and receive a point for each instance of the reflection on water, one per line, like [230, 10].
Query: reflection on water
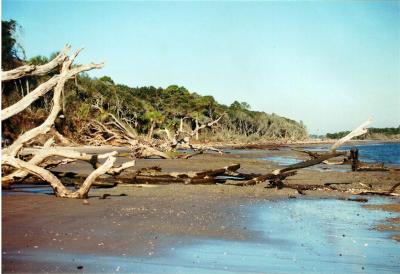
[388, 153]
[28, 189]
[284, 161]
[24, 189]
[297, 236]
[312, 236]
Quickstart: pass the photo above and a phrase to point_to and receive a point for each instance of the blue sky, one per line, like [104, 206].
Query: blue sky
[330, 64]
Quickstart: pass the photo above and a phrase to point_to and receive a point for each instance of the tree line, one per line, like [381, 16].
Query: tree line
[142, 109]
[373, 133]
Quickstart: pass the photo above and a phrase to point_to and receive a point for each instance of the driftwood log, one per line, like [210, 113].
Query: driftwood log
[115, 132]
[10, 154]
[200, 177]
[181, 138]
[40, 161]
[32, 70]
[277, 176]
[351, 158]
[357, 165]
[152, 175]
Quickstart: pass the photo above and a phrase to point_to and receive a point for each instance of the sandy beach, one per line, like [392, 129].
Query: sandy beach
[143, 220]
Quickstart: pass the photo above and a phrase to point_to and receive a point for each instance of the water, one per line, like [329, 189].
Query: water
[28, 189]
[281, 160]
[285, 161]
[388, 153]
[302, 236]
[292, 236]
[23, 189]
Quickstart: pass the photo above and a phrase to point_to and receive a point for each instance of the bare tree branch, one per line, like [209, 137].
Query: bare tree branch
[9, 154]
[356, 132]
[32, 70]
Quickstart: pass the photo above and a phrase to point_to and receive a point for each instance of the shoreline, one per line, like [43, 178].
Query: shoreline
[149, 217]
[311, 142]
[240, 145]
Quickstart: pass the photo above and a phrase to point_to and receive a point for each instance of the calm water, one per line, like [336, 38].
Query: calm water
[293, 236]
[388, 153]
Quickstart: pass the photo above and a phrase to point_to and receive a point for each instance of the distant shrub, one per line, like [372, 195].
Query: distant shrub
[373, 133]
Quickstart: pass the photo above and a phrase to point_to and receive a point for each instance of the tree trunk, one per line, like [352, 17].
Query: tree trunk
[197, 131]
[150, 134]
[10, 155]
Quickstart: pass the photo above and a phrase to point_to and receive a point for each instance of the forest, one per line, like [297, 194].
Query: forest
[144, 111]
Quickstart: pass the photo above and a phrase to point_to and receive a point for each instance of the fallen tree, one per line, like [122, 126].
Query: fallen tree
[113, 131]
[277, 176]
[350, 158]
[26, 161]
[11, 153]
[152, 175]
[181, 138]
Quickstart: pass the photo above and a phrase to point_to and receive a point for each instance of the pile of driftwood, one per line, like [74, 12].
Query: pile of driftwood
[229, 175]
[113, 131]
[20, 161]
[23, 163]
[35, 163]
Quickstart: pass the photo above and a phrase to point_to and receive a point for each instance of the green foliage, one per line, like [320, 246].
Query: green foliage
[38, 60]
[146, 108]
[337, 135]
[83, 111]
[386, 130]
[107, 79]
[373, 133]
[155, 116]
[255, 124]
[10, 48]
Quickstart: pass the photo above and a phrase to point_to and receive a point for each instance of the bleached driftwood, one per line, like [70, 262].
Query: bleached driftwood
[118, 123]
[275, 176]
[181, 137]
[309, 163]
[197, 129]
[10, 153]
[154, 175]
[390, 192]
[32, 70]
[57, 80]
[146, 151]
[40, 155]
[65, 74]
[362, 129]
[59, 189]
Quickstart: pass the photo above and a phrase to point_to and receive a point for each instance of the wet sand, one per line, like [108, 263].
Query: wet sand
[145, 220]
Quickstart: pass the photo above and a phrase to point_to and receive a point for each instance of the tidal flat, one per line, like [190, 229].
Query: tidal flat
[204, 228]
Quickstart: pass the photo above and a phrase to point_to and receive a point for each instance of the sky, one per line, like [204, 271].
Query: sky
[330, 64]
